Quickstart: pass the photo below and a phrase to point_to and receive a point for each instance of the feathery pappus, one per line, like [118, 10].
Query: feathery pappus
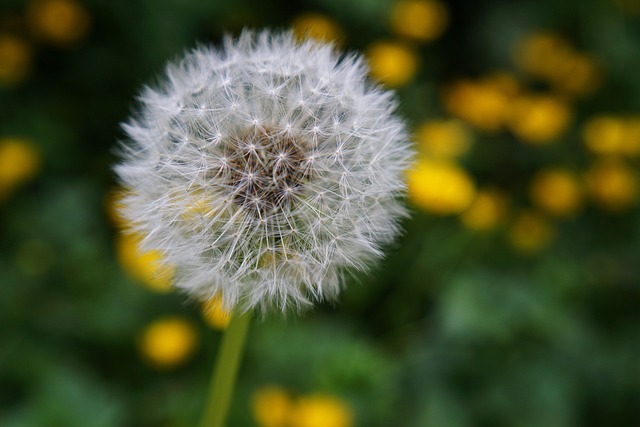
[264, 170]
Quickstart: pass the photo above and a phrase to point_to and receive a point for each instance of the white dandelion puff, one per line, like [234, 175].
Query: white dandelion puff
[264, 170]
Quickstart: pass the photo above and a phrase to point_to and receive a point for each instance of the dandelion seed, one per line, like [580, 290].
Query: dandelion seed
[295, 164]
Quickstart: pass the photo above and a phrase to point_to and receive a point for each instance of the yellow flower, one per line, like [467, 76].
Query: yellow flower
[487, 210]
[483, 103]
[550, 57]
[540, 53]
[612, 135]
[440, 187]
[15, 59]
[316, 26]
[539, 119]
[530, 52]
[557, 191]
[580, 75]
[444, 138]
[530, 232]
[147, 267]
[215, 315]
[271, 407]
[19, 162]
[60, 22]
[419, 19]
[612, 184]
[392, 63]
[319, 410]
[604, 135]
[168, 342]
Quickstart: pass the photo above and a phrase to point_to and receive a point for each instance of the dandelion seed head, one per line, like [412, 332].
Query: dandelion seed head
[265, 170]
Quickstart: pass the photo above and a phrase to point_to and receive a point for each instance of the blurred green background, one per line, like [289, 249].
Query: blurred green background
[513, 299]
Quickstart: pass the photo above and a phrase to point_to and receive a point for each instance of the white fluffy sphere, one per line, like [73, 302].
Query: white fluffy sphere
[264, 170]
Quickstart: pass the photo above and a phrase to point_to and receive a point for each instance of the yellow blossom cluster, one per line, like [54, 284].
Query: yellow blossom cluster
[395, 62]
[550, 57]
[611, 182]
[484, 103]
[437, 183]
[503, 102]
[273, 406]
[497, 101]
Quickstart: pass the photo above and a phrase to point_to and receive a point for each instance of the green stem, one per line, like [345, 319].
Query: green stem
[224, 373]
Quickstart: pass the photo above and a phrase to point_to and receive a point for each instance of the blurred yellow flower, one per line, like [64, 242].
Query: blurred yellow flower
[168, 342]
[440, 187]
[551, 57]
[612, 135]
[316, 26]
[612, 184]
[215, 315]
[604, 134]
[422, 20]
[15, 59]
[487, 210]
[557, 191]
[530, 232]
[60, 22]
[580, 75]
[19, 162]
[484, 103]
[392, 63]
[320, 410]
[444, 138]
[271, 407]
[538, 53]
[147, 267]
[539, 119]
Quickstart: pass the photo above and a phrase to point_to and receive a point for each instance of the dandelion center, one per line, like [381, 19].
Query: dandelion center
[264, 170]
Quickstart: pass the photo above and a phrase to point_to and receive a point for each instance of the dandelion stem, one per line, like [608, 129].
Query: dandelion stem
[224, 373]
